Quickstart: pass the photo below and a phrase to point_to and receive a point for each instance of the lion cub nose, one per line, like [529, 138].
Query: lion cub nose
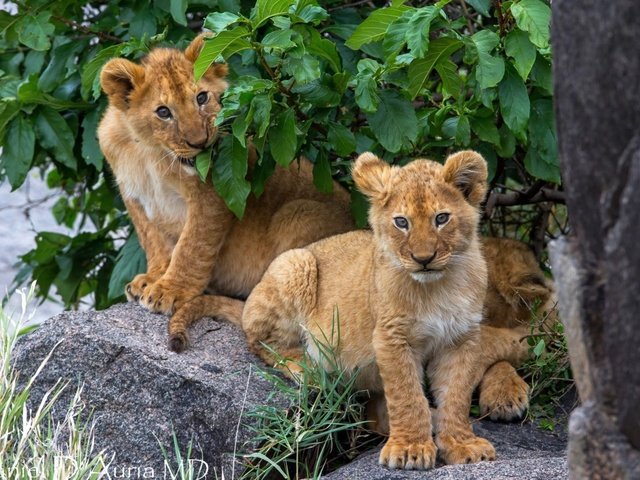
[200, 145]
[424, 261]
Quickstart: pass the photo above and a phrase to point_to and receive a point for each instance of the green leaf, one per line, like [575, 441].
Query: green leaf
[219, 21]
[265, 9]
[131, 260]
[518, 46]
[486, 129]
[178, 10]
[260, 112]
[419, 70]
[8, 109]
[203, 163]
[539, 348]
[90, 74]
[312, 14]
[229, 172]
[451, 81]
[304, 69]
[55, 135]
[17, 153]
[366, 93]
[61, 65]
[359, 208]
[463, 131]
[216, 46]
[395, 122]
[280, 39]
[507, 146]
[28, 93]
[374, 26]
[541, 75]
[282, 138]
[514, 101]
[458, 129]
[533, 16]
[143, 24]
[417, 33]
[481, 6]
[34, 32]
[341, 139]
[541, 160]
[322, 178]
[395, 37]
[90, 147]
[323, 48]
[490, 68]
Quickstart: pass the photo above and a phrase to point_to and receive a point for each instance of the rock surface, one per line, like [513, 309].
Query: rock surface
[523, 452]
[140, 392]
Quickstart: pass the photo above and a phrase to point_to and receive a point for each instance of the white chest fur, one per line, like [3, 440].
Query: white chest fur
[145, 183]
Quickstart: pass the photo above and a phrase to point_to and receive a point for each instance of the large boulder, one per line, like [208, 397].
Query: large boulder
[140, 393]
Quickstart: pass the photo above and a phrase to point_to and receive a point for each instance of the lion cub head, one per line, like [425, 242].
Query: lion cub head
[424, 214]
[163, 103]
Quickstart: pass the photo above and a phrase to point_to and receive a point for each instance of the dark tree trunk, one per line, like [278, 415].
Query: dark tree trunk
[597, 91]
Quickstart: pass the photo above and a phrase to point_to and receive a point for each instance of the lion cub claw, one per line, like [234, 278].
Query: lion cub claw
[407, 455]
[470, 450]
[135, 288]
[163, 297]
[504, 395]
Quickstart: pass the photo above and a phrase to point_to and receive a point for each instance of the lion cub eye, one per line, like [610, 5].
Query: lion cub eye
[441, 219]
[401, 222]
[202, 98]
[163, 112]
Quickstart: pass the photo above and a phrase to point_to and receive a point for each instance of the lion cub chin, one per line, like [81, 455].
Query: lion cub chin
[409, 293]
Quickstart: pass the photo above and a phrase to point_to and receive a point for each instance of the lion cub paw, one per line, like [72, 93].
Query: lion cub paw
[136, 287]
[410, 456]
[470, 450]
[163, 297]
[506, 399]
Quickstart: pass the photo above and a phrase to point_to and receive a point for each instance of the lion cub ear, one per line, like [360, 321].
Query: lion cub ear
[467, 171]
[118, 78]
[371, 175]
[195, 47]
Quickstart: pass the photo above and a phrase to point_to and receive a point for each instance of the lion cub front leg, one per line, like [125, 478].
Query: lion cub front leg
[410, 445]
[193, 258]
[155, 247]
[454, 373]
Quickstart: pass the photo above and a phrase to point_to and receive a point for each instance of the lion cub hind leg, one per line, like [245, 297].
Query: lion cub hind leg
[504, 395]
[275, 312]
[217, 306]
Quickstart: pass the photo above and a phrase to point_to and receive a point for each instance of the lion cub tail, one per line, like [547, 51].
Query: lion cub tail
[217, 306]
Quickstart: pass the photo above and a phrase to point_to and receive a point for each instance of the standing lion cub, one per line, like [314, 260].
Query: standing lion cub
[409, 293]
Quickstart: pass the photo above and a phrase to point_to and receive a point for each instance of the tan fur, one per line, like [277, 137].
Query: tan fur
[397, 311]
[191, 239]
[516, 286]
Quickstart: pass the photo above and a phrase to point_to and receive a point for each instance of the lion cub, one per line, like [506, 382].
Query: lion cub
[409, 293]
[159, 118]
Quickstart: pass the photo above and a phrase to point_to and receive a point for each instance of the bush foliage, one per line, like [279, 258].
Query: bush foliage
[324, 79]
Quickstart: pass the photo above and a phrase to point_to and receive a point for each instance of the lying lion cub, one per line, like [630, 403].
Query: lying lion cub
[159, 118]
[410, 292]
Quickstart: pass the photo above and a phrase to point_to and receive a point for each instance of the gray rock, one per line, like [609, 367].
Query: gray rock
[139, 390]
[523, 451]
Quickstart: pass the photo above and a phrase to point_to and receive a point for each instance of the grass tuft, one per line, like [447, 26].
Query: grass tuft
[323, 427]
[32, 444]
